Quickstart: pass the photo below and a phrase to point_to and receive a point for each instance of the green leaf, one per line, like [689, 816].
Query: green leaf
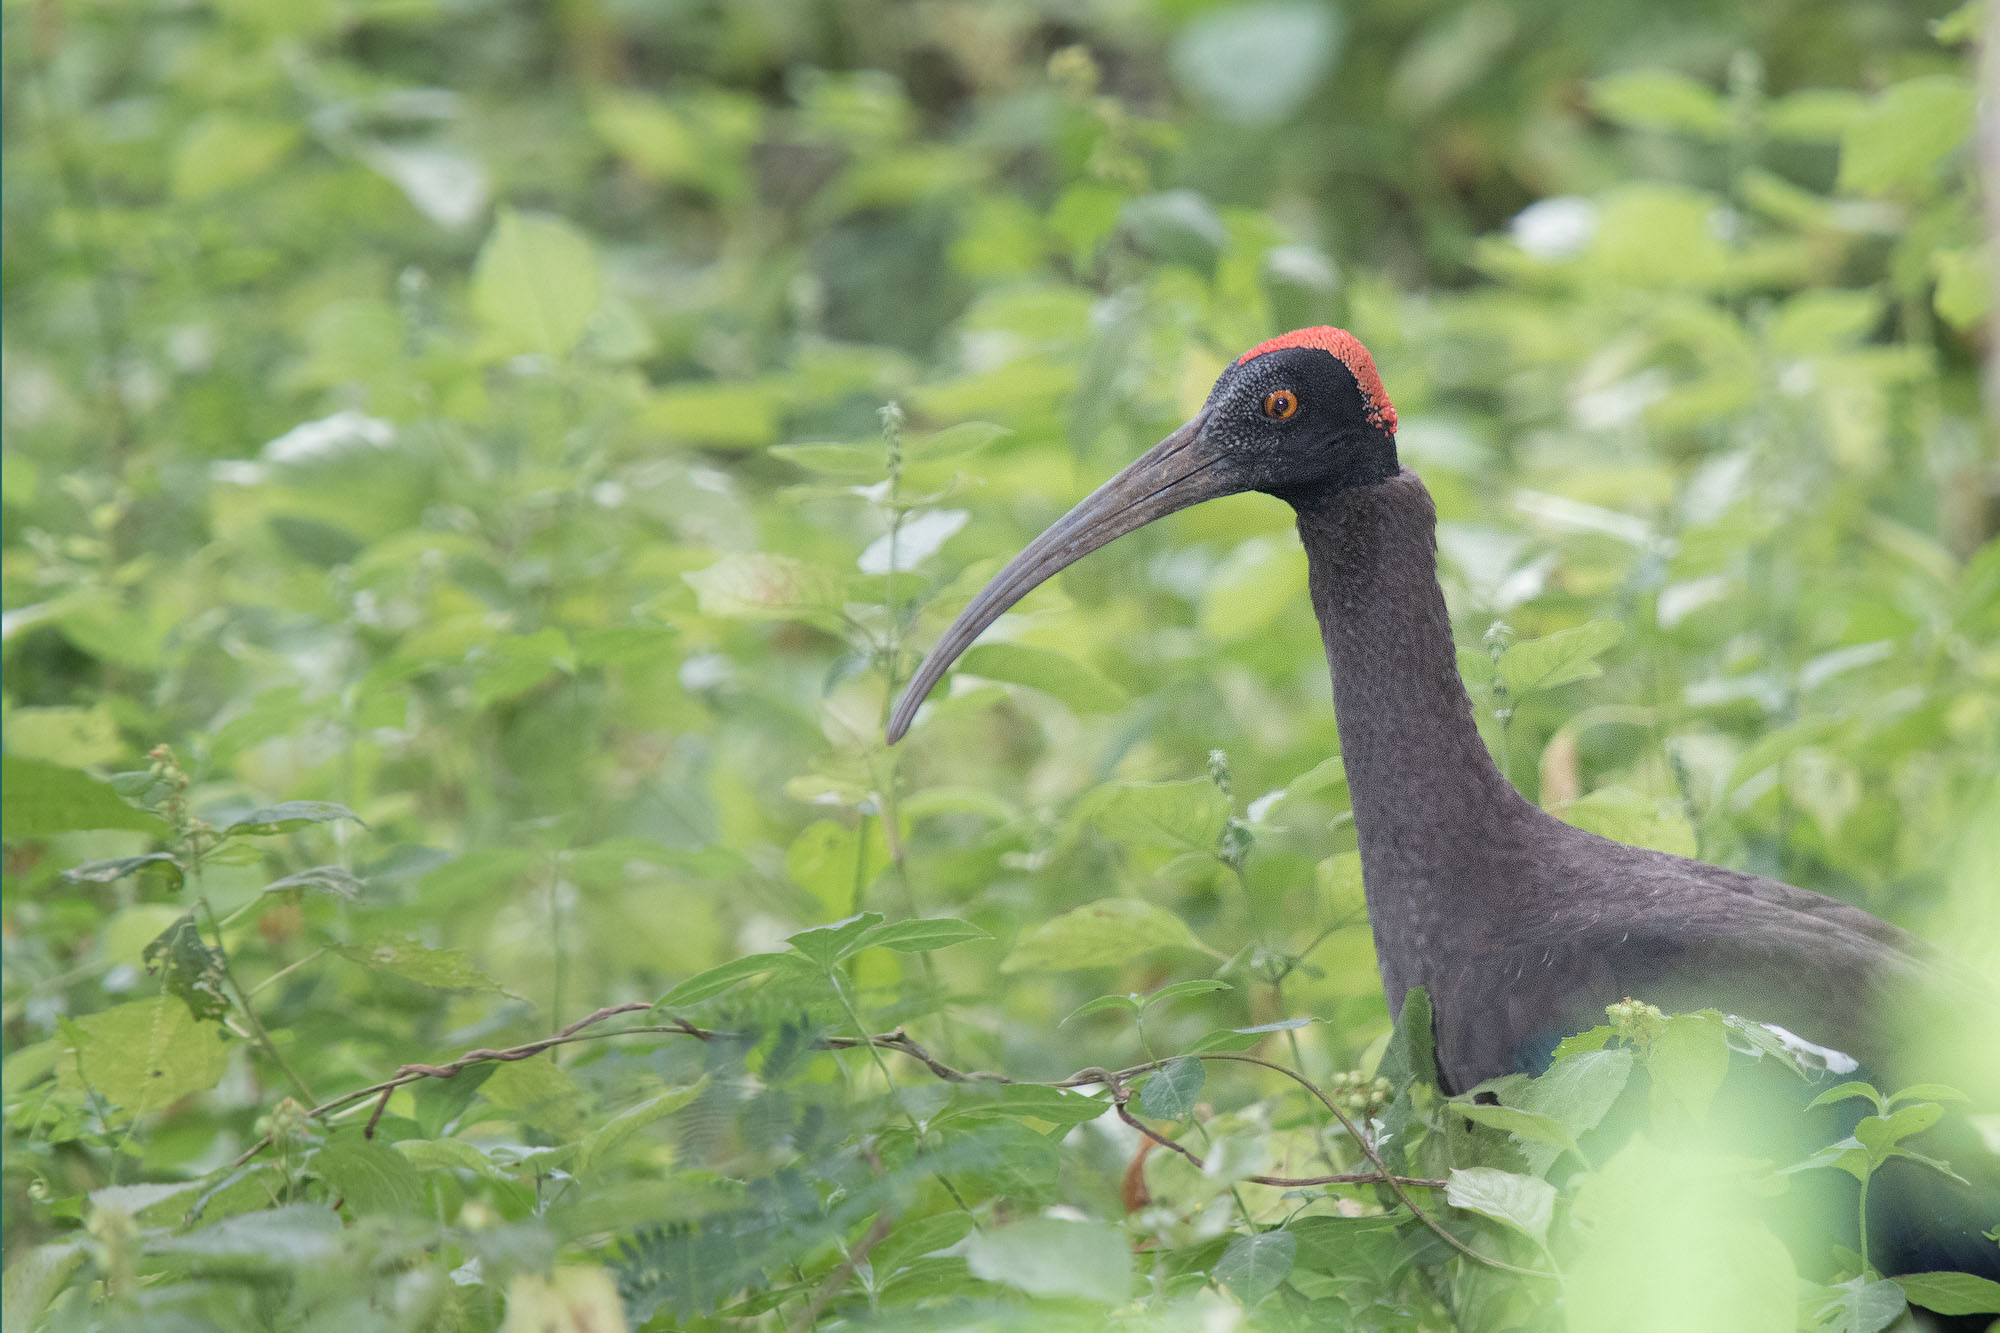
[1860, 1305]
[1877, 1133]
[968, 437]
[1109, 931]
[143, 1055]
[606, 1138]
[1929, 1092]
[1199, 986]
[767, 587]
[1898, 142]
[1279, 1025]
[537, 1092]
[1253, 1266]
[1623, 815]
[1172, 1091]
[39, 799]
[1687, 1061]
[1559, 659]
[1951, 1293]
[371, 1177]
[1841, 1092]
[443, 969]
[1130, 1003]
[107, 872]
[1082, 687]
[1024, 1101]
[1255, 64]
[1534, 1126]
[296, 1236]
[827, 945]
[919, 935]
[1048, 1257]
[226, 148]
[287, 816]
[854, 462]
[1525, 1203]
[1661, 99]
[536, 283]
[1188, 815]
[191, 971]
[334, 881]
[1411, 1053]
[707, 985]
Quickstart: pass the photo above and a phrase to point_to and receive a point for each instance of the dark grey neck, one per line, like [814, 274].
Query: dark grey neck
[1431, 809]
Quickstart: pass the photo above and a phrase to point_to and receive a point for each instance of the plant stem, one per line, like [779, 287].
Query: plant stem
[257, 1032]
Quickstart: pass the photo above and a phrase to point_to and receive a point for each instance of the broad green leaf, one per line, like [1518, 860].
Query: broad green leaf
[1565, 656]
[968, 437]
[1899, 140]
[1279, 1025]
[608, 1136]
[106, 872]
[1687, 1061]
[767, 587]
[726, 976]
[1083, 687]
[1858, 1305]
[443, 1154]
[1951, 1293]
[1577, 1092]
[1661, 99]
[334, 881]
[537, 1092]
[1256, 63]
[1533, 1126]
[1623, 815]
[1171, 1092]
[444, 969]
[1525, 1203]
[298, 1235]
[1841, 1092]
[227, 148]
[1189, 815]
[1129, 1003]
[371, 1177]
[1199, 986]
[827, 945]
[536, 283]
[1878, 1133]
[143, 1055]
[851, 461]
[287, 817]
[188, 968]
[1928, 1092]
[1047, 1257]
[1024, 1101]
[919, 935]
[1411, 1053]
[738, 414]
[1109, 931]
[39, 799]
[1253, 1266]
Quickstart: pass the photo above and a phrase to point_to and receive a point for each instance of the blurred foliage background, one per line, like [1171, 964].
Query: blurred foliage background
[465, 422]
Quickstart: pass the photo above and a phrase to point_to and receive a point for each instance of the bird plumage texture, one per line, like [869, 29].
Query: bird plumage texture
[1521, 928]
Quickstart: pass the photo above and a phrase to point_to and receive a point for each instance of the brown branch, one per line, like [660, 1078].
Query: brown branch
[900, 1041]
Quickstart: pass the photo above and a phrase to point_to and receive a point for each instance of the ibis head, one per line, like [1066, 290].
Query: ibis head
[1300, 416]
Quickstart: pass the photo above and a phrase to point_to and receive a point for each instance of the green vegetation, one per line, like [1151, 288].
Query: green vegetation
[475, 474]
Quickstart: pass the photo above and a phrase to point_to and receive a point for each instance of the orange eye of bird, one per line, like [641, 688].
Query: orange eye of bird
[1280, 404]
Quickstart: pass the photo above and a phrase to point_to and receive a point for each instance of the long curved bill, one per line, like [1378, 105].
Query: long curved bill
[1183, 469]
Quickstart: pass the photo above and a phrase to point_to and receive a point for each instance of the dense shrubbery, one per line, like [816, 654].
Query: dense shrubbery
[504, 457]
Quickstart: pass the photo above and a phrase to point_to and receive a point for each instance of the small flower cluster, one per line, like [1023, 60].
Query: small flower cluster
[1637, 1022]
[1359, 1095]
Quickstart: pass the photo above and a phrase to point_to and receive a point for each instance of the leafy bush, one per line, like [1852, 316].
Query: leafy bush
[476, 475]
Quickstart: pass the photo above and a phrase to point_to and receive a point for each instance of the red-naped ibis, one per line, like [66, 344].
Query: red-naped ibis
[1521, 927]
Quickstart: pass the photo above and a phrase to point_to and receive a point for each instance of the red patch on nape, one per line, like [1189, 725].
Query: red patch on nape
[1347, 349]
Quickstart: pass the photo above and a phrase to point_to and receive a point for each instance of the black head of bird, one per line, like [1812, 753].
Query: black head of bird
[1521, 927]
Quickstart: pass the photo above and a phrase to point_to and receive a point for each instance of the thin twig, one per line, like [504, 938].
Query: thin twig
[1115, 1081]
[855, 1258]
